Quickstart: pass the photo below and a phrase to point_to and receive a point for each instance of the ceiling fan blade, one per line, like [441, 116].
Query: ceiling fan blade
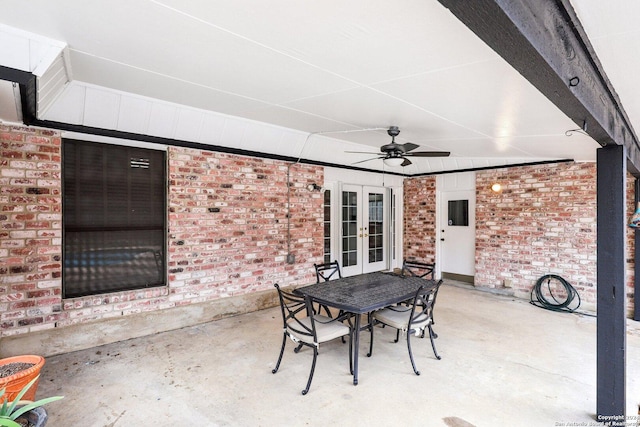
[406, 162]
[360, 152]
[429, 154]
[367, 160]
[406, 147]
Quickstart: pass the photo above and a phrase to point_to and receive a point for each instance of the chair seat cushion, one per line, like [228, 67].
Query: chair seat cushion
[326, 329]
[398, 318]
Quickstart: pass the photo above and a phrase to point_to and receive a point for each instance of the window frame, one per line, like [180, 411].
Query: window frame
[156, 259]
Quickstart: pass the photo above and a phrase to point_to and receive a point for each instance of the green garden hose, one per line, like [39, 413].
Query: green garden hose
[547, 289]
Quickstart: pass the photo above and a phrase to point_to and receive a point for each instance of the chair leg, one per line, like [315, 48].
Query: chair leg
[432, 335]
[397, 335]
[413, 364]
[297, 349]
[284, 343]
[313, 368]
[424, 332]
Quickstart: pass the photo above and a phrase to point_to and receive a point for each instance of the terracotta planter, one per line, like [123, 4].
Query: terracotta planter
[16, 382]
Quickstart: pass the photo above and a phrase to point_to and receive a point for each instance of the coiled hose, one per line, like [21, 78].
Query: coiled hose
[543, 290]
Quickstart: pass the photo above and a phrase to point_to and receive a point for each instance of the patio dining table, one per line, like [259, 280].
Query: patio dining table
[363, 294]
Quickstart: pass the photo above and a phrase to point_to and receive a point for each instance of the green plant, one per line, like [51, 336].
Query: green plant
[10, 411]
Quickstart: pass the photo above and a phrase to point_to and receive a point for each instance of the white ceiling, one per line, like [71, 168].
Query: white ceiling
[264, 75]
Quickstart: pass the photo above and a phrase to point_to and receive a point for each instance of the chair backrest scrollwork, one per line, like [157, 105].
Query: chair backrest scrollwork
[327, 271]
[418, 269]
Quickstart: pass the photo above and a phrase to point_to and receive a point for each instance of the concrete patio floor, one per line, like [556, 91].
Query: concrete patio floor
[504, 363]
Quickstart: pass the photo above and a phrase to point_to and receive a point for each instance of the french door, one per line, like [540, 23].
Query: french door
[364, 229]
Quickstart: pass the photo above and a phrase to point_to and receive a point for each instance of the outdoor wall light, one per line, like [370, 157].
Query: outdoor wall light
[314, 187]
[496, 187]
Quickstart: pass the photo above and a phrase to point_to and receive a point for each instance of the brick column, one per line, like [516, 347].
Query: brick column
[420, 218]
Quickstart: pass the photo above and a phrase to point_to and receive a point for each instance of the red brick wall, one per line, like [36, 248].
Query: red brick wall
[229, 226]
[227, 232]
[419, 218]
[30, 229]
[228, 229]
[547, 215]
[543, 221]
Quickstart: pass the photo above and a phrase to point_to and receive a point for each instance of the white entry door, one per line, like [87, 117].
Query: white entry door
[364, 229]
[457, 232]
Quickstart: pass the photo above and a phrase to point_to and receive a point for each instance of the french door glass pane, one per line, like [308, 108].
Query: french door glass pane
[352, 258]
[376, 218]
[353, 213]
[349, 228]
[353, 227]
[327, 226]
[393, 226]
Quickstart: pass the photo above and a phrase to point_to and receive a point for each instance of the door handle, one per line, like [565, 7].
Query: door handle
[442, 240]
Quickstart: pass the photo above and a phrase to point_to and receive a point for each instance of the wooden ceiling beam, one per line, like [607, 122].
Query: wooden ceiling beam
[546, 43]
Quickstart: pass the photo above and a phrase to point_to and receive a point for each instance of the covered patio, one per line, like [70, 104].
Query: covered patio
[536, 370]
[249, 133]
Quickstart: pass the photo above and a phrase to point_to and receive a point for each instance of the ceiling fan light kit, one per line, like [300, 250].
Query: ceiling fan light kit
[394, 155]
[393, 161]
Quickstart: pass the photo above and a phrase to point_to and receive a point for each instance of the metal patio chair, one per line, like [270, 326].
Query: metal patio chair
[414, 319]
[418, 269]
[306, 328]
[325, 272]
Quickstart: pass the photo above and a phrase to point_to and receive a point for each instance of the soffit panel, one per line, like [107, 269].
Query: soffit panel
[140, 82]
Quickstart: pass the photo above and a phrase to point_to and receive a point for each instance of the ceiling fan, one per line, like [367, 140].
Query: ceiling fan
[396, 154]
